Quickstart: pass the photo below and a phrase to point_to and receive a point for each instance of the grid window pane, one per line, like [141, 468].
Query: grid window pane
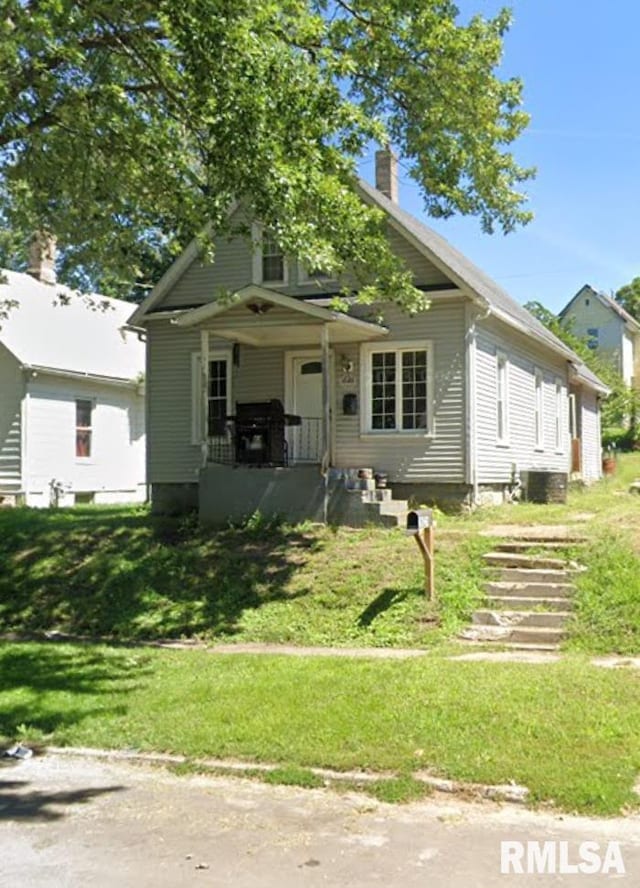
[383, 390]
[217, 397]
[414, 402]
[272, 259]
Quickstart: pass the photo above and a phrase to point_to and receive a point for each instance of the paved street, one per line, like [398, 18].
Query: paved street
[75, 822]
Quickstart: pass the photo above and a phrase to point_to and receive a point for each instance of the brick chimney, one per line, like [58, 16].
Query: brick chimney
[42, 257]
[387, 173]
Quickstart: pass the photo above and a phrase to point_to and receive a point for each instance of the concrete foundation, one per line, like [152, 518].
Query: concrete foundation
[232, 495]
[174, 499]
[447, 497]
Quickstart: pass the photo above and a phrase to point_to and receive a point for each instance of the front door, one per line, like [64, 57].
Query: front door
[305, 440]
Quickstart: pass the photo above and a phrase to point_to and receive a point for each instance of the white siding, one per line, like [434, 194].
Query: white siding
[591, 449]
[412, 459]
[496, 460]
[11, 393]
[114, 472]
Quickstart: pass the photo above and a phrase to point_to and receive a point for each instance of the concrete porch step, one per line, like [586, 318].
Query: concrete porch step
[394, 507]
[528, 545]
[513, 559]
[379, 495]
[521, 618]
[513, 603]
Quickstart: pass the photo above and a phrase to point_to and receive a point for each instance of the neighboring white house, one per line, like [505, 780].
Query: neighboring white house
[608, 329]
[72, 412]
[272, 401]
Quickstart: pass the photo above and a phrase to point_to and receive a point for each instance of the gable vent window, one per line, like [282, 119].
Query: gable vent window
[84, 428]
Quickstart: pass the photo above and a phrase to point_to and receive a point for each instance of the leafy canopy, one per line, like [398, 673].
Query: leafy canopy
[125, 126]
[629, 298]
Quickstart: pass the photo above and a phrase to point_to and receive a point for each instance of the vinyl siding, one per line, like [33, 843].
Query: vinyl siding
[495, 461]
[115, 471]
[591, 450]
[232, 269]
[411, 459]
[11, 394]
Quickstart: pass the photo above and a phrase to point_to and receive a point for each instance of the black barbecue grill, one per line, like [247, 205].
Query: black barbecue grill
[259, 433]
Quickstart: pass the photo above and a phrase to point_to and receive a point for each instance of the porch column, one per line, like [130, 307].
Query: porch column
[204, 394]
[326, 401]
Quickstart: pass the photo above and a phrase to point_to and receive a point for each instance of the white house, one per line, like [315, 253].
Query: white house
[72, 411]
[608, 329]
[272, 401]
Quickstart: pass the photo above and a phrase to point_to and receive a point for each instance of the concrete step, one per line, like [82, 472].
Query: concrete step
[379, 495]
[360, 484]
[535, 562]
[509, 635]
[521, 618]
[530, 574]
[530, 590]
[521, 602]
[527, 546]
[394, 507]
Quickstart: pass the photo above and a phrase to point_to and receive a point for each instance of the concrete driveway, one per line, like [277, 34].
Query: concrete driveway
[83, 823]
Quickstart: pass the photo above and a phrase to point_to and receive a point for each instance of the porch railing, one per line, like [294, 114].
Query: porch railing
[303, 444]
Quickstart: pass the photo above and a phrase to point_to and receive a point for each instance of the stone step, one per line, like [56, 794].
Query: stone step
[527, 546]
[530, 574]
[508, 635]
[536, 534]
[360, 484]
[530, 590]
[509, 602]
[513, 559]
[520, 618]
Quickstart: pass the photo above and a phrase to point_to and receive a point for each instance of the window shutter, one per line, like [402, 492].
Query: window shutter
[196, 399]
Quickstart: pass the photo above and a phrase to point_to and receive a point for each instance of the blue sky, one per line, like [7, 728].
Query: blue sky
[581, 72]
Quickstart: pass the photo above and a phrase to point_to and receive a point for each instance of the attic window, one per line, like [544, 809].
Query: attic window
[272, 260]
[84, 430]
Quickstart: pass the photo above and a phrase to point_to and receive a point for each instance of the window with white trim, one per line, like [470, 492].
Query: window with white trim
[269, 261]
[539, 409]
[559, 394]
[218, 395]
[397, 389]
[502, 398]
[84, 428]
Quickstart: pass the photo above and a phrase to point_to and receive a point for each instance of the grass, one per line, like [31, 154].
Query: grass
[567, 730]
[120, 573]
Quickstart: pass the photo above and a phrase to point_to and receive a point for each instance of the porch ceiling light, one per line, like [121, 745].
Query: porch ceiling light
[259, 308]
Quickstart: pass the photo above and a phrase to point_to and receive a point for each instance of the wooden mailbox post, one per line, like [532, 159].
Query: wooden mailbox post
[420, 524]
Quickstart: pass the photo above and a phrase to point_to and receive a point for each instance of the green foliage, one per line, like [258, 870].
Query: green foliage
[607, 615]
[125, 127]
[293, 776]
[629, 298]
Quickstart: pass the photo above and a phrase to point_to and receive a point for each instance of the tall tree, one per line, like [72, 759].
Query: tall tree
[125, 126]
[629, 298]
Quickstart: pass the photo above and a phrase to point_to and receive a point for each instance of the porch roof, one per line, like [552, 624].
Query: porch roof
[261, 317]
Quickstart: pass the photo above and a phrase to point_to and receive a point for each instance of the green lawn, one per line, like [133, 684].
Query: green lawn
[568, 731]
[120, 573]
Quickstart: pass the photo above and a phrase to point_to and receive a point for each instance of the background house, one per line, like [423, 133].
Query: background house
[608, 329]
[454, 405]
[72, 415]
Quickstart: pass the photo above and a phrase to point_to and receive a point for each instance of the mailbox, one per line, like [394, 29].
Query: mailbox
[419, 519]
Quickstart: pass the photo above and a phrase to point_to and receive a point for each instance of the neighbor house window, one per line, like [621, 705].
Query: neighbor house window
[502, 398]
[539, 409]
[218, 395]
[84, 429]
[397, 384]
[593, 338]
